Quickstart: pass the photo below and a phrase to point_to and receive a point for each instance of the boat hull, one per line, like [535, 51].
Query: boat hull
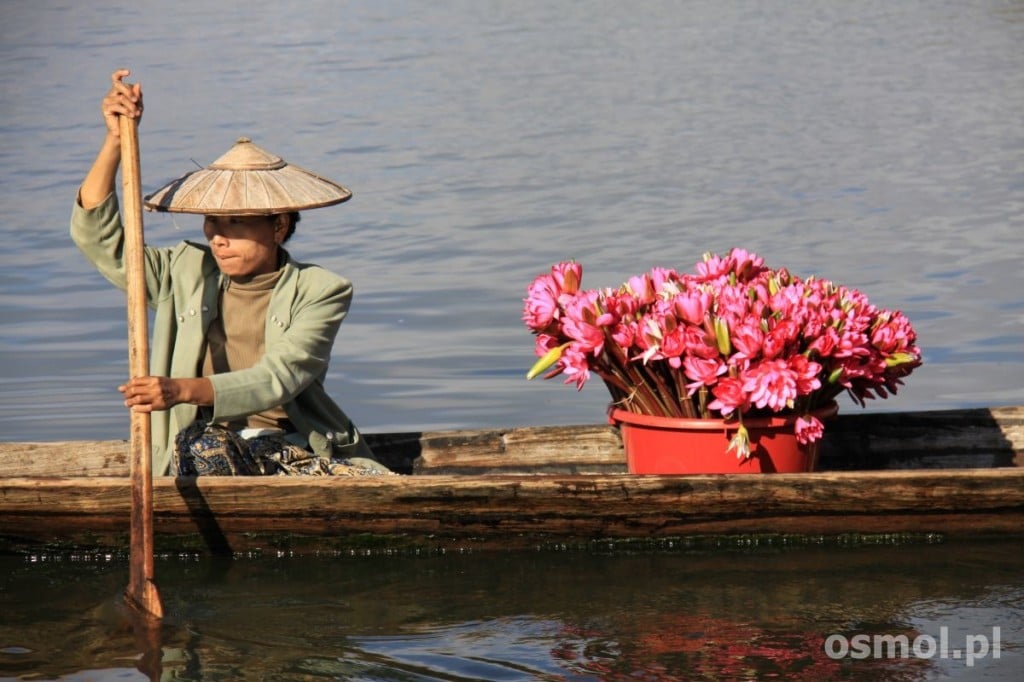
[918, 476]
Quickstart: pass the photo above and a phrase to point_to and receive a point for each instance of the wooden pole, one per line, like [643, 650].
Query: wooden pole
[142, 593]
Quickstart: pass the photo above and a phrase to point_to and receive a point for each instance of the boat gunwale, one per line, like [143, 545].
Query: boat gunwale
[930, 475]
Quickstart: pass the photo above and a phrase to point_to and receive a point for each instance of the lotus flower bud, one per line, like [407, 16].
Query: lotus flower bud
[722, 336]
[546, 360]
[740, 443]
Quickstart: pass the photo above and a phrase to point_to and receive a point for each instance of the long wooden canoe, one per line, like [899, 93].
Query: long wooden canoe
[882, 477]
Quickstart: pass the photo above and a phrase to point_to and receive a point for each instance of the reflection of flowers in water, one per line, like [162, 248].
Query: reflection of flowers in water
[703, 647]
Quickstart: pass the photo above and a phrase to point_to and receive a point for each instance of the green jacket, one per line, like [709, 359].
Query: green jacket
[182, 285]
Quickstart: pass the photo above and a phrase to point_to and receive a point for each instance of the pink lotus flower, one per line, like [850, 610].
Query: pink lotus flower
[729, 397]
[771, 384]
[576, 367]
[808, 429]
[581, 323]
[703, 372]
[548, 293]
[734, 338]
[567, 276]
[541, 303]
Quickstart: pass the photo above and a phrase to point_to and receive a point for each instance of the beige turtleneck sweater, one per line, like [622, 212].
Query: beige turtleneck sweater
[235, 339]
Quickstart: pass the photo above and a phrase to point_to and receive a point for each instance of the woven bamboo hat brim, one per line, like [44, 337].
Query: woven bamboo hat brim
[247, 180]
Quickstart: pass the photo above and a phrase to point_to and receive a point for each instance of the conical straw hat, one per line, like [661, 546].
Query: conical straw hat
[247, 180]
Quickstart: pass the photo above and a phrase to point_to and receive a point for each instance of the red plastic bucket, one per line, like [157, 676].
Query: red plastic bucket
[665, 445]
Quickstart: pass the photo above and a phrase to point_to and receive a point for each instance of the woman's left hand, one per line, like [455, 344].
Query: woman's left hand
[146, 394]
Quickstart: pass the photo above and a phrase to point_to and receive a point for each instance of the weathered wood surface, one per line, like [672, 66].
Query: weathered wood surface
[971, 438]
[950, 473]
[241, 514]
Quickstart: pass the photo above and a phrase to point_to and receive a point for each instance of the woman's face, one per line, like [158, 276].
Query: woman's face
[245, 245]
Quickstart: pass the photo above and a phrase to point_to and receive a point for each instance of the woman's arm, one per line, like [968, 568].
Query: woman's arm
[146, 394]
[121, 100]
[294, 358]
[296, 355]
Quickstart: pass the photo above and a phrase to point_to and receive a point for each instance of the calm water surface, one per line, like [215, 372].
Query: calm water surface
[670, 614]
[878, 144]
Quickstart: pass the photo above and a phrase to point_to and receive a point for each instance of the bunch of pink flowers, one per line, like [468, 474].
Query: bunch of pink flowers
[732, 339]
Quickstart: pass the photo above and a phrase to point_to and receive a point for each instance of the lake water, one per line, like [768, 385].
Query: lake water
[878, 144]
[737, 614]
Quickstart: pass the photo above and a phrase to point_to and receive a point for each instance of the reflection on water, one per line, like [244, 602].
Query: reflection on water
[544, 615]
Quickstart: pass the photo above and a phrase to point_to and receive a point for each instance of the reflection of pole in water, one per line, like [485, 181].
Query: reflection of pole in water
[148, 642]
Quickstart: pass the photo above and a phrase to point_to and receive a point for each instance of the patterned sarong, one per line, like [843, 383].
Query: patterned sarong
[202, 449]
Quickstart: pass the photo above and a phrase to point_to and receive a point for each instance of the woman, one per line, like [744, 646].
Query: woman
[242, 333]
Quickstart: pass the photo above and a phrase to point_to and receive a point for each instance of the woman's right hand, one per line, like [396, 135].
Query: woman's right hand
[123, 99]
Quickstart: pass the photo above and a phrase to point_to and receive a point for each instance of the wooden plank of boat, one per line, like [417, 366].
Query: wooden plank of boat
[469, 489]
[968, 438]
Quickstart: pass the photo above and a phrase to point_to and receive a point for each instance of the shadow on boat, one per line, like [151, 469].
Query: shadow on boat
[941, 439]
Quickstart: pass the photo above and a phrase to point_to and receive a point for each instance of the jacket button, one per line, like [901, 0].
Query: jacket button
[181, 318]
